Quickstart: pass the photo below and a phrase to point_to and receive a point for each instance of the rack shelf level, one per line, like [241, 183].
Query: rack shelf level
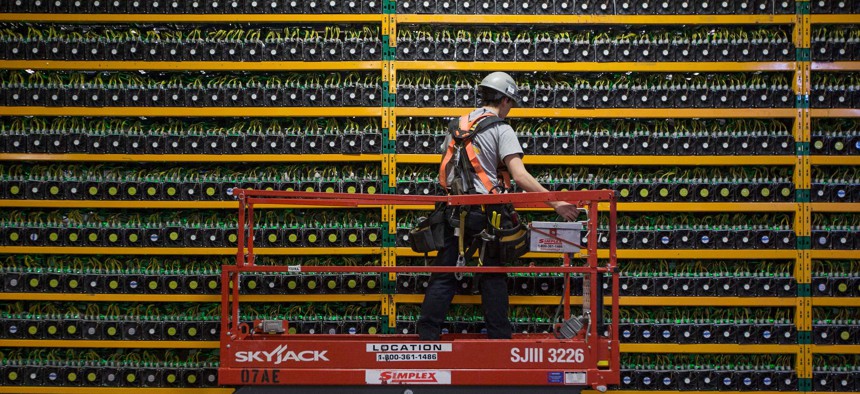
[184, 251]
[170, 158]
[614, 113]
[193, 112]
[595, 66]
[190, 18]
[624, 301]
[597, 19]
[182, 66]
[625, 160]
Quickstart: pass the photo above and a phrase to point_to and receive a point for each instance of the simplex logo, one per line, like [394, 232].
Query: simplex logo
[407, 377]
[280, 355]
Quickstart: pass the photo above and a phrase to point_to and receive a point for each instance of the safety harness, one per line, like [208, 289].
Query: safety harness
[465, 169]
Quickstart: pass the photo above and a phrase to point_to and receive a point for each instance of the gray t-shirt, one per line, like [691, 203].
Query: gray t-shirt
[492, 146]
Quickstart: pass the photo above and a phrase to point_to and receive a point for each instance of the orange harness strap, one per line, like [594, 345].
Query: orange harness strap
[465, 127]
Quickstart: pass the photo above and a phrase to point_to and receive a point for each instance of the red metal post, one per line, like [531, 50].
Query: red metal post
[566, 287]
[251, 233]
[240, 235]
[613, 266]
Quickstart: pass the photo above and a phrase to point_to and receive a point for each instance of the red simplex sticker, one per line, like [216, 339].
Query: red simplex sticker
[407, 376]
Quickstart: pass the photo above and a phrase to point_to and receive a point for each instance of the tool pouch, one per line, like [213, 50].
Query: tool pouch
[512, 242]
[511, 237]
[429, 233]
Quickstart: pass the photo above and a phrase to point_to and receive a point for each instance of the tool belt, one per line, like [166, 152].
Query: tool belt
[496, 230]
[508, 235]
[429, 233]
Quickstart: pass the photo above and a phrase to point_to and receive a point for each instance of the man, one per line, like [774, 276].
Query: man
[496, 149]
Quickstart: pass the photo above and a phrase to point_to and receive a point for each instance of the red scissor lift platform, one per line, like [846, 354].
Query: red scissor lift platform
[259, 361]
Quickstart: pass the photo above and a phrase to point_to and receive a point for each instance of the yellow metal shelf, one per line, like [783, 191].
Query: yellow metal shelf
[836, 301]
[597, 19]
[834, 113]
[83, 297]
[192, 112]
[595, 67]
[84, 157]
[78, 297]
[657, 254]
[120, 390]
[190, 18]
[702, 348]
[611, 160]
[624, 301]
[185, 251]
[181, 66]
[679, 392]
[834, 18]
[835, 255]
[119, 344]
[613, 113]
[667, 207]
[836, 349]
[835, 207]
[836, 66]
[824, 160]
[153, 204]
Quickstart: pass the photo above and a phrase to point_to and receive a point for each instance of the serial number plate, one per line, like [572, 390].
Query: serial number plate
[406, 356]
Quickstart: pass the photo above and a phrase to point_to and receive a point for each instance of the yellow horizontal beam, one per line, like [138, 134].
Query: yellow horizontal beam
[182, 66]
[153, 204]
[613, 113]
[119, 390]
[836, 255]
[673, 392]
[120, 158]
[622, 207]
[190, 18]
[707, 301]
[611, 160]
[703, 206]
[597, 19]
[824, 160]
[624, 301]
[658, 254]
[833, 19]
[110, 344]
[703, 348]
[78, 297]
[835, 207]
[184, 251]
[836, 349]
[595, 67]
[85, 297]
[668, 207]
[836, 301]
[192, 112]
[836, 66]
[835, 113]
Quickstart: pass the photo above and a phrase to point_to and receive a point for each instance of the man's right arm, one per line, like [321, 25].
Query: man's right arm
[527, 182]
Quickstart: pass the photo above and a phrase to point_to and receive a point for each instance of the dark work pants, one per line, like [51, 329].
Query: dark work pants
[443, 286]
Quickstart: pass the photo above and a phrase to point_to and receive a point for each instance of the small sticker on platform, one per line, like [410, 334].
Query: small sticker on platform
[294, 268]
[407, 376]
[554, 377]
[574, 378]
